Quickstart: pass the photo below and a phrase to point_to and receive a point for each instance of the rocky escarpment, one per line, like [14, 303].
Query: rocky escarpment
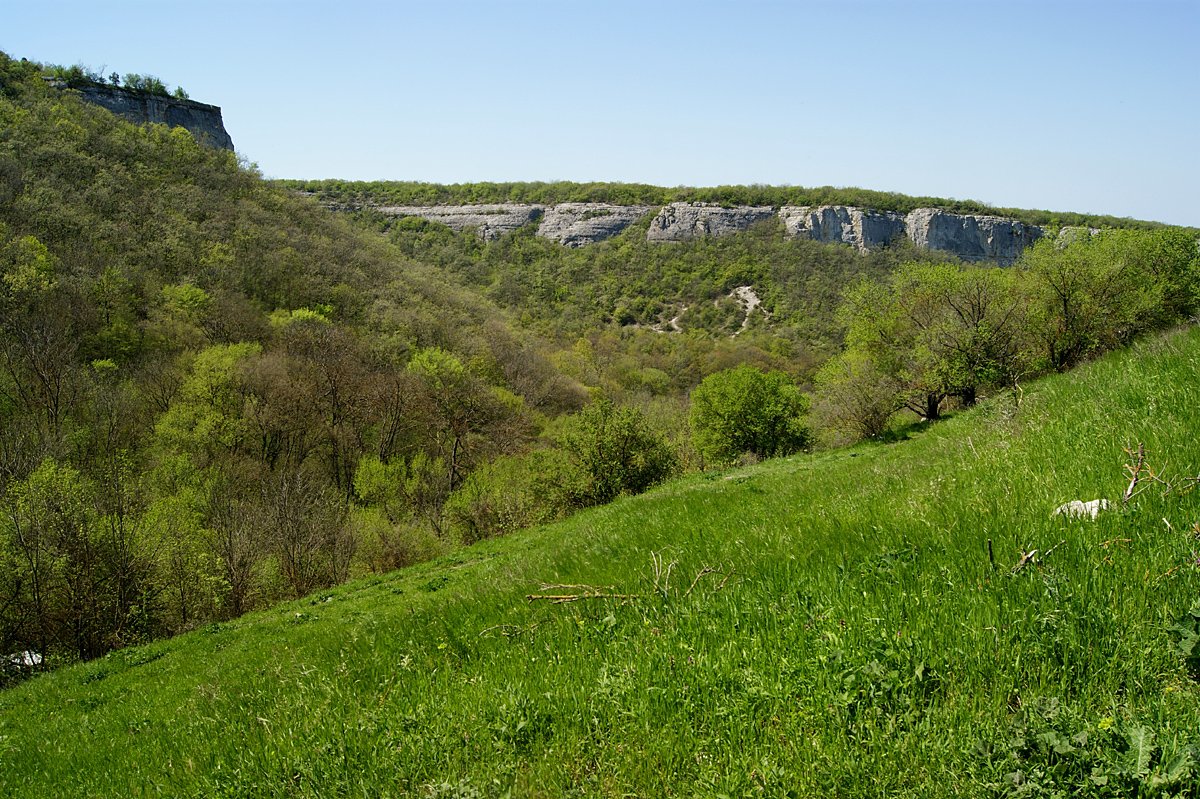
[971, 237]
[842, 224]
[203, 120]
[489, 221]
[688, 221]
[577, 224]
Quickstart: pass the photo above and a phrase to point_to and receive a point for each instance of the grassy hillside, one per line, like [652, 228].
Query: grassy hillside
[823, 625]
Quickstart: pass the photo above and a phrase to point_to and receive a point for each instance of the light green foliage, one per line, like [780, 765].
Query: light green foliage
[207, 415]
[51, 534]
[612, 452]
[283, 318]
[1098, 292]
[190, 584]
[402, 488]
[824, 625]
[939, 330]
[855, 399]
[441, 368]
[507, 495]
[746, 411]
[28, 267]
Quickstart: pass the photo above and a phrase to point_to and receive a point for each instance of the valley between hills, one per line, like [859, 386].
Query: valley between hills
[325, 488]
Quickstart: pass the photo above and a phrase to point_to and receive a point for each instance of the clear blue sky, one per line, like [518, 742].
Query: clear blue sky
[1080, 106]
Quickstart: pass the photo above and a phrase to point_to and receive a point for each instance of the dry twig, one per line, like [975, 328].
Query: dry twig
[705, 571]
[579, 592]
[1032, 557]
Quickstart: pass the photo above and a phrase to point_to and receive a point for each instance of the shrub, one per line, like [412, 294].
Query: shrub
[746, 411]
[611, 451]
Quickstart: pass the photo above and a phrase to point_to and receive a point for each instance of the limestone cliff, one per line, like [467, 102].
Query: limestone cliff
[861, 228]
[577, 224]
[687, 221]
[489, 221]
[204, 121]
[970, 237]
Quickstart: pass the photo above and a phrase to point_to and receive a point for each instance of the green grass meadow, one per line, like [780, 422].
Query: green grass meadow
[826, 625]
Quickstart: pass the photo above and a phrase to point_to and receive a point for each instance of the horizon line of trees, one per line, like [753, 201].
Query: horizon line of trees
[79, 75]
[384, 192]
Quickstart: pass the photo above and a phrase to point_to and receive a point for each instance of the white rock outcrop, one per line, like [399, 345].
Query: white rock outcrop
[688, 221]
[490, 221]
[971, 237]
[1078, 509]
[861, 228]
[577, 224]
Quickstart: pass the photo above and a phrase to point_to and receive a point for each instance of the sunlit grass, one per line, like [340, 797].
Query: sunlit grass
[821, 625]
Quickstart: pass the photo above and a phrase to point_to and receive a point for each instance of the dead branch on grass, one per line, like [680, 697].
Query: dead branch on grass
[1032, 557]
[1142, 476]
[578, 592]
[707, 570]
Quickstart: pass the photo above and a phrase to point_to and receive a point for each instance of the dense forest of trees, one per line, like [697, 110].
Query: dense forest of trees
[215, 394]
[201, 376]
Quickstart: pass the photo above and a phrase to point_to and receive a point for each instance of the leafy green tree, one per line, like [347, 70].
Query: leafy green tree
[938, 330]
[1093, 294]
[855, 399]
[506, 495]
[747, 411]
[53, 536]
[611, 451]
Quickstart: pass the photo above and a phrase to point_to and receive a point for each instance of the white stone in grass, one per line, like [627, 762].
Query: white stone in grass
[1077, 509]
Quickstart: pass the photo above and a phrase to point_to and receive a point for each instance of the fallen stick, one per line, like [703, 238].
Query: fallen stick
[705, 571]
[576, 593]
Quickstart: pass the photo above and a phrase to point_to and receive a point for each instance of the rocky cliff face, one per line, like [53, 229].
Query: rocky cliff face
[687, 221]
[204, 121]
[489, 221]
[577, 224]
[972, 238]
[842, 224]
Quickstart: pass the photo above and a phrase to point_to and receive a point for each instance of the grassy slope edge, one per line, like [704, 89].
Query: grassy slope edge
[853, 639]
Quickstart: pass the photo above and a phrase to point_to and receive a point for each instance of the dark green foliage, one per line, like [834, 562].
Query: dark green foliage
[746, 411]
[1187, 630]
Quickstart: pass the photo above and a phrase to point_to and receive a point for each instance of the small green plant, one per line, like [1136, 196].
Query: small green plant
[1187, 638]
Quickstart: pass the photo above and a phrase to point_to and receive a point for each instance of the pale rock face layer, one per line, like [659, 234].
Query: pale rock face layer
[972, 238]
[1070, 235]
[861, 228]
[577, 224]
[204, 121]
[688, 221]
[490, 221]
